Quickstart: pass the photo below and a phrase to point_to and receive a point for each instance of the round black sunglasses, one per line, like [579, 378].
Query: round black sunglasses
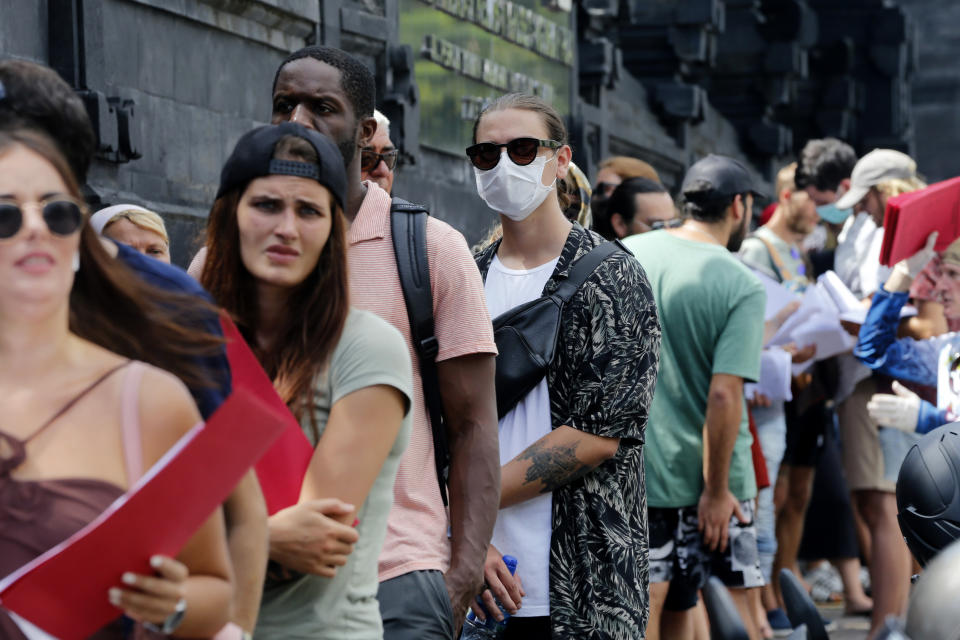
[62, 216]
[522, 151]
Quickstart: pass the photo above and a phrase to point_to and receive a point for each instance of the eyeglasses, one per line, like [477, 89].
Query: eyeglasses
[63, 216]
[523, 151]
[666, 224]
[369, 159]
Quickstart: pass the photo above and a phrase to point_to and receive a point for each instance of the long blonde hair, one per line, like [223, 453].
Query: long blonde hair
[897, 186]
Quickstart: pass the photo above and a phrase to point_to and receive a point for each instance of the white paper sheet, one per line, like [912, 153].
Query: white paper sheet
[778, 296]
[849, 308]
[827, 334]
[775, 373]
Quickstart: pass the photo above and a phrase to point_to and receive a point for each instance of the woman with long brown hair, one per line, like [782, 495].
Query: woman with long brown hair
[276, 260]
[83, 335]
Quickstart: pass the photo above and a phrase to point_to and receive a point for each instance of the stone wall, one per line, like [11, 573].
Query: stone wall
[664, 81]
[936, 87]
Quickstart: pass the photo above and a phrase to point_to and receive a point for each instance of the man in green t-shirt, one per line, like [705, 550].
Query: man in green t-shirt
[700, 476]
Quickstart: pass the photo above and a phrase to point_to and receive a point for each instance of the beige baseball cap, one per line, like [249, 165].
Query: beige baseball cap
[877, 166]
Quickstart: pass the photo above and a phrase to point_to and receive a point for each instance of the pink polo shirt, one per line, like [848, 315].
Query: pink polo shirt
[417, 526]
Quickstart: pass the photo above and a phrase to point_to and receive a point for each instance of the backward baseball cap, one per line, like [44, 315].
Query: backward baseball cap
[880, 165]
[717, 177]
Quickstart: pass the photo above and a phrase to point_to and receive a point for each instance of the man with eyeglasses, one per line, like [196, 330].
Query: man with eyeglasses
[637, 205]
[378, 160]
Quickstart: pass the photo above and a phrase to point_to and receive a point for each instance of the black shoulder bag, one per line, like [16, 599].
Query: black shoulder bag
[527, 335]
[408, 225]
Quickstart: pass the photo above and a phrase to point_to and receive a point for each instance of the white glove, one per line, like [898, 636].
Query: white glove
[900, 411]
[912, 266]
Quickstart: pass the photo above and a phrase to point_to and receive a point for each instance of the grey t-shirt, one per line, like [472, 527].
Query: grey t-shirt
[755, 254]
[370, 352]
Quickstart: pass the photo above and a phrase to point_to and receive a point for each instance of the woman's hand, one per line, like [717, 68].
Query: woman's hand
[307, 537]
[152, 598]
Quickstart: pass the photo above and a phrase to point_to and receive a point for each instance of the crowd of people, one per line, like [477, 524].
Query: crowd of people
[590, 393]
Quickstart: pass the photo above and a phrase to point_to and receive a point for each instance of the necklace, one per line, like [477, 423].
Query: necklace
[700, 231]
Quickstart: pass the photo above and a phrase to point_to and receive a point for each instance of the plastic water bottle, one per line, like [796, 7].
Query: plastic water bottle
[489, 629]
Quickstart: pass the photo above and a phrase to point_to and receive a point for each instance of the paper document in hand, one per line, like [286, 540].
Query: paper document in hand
[778, 296]
[829, 337]
[282, 468]
[850, 309]
[64, 591]
[812, 304]
[839, 293]
[775, 373]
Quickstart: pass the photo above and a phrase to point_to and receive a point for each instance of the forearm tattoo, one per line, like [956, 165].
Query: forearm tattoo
[554, 466]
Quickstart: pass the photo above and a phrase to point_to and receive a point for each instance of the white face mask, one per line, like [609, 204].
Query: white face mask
[512, 190]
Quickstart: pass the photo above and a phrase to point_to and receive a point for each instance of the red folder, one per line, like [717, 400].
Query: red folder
[911, 218]
[282, 468]
[64, 591]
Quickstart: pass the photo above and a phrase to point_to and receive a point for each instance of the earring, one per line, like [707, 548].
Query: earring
[76, 261]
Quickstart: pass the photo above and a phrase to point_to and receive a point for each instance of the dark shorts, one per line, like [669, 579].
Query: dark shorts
[416, 606]
[678, 556]
[806, 434]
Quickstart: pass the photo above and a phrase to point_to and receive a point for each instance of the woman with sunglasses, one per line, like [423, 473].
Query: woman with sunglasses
[571, 448]
[83, 414]
[932, 362]
[276, 260]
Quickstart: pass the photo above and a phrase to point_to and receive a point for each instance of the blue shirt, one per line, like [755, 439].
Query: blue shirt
[905, 358]
[171, 278]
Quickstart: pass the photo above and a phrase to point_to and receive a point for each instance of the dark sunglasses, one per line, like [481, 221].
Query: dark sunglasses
[523, 151]
[62, 216]
[369, 159]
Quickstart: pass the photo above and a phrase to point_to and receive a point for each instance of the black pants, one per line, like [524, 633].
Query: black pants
[528, 629]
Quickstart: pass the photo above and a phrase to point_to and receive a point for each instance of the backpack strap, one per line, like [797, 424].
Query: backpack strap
[584, 267]
[408, 225]
[775, 258]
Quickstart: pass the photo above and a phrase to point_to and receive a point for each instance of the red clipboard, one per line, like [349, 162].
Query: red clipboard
[911, 218]
[282, 468]
[64, 591]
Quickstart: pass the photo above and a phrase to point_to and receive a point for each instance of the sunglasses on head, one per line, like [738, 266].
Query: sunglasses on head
[63, 216]
[522, 151]
[369, 159]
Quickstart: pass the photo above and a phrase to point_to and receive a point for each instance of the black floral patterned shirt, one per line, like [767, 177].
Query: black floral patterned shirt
[601, 382]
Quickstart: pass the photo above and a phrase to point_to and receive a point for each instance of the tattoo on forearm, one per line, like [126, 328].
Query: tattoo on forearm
[554, 466]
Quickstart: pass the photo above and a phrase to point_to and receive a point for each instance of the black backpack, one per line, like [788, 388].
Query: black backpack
[408, 225]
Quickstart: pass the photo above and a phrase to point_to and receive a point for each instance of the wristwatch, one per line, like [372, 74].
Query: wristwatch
[173, 620]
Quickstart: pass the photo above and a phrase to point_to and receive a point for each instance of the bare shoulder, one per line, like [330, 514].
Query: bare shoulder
[167, 411]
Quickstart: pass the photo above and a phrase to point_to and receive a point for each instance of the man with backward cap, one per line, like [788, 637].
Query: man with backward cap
[700, 478]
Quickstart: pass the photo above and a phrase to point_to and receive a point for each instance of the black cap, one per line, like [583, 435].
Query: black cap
[253, 158]
[715, 178]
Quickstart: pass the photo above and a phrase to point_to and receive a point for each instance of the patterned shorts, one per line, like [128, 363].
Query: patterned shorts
[678, 556]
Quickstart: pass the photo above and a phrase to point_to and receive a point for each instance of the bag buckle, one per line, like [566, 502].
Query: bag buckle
[429, 347]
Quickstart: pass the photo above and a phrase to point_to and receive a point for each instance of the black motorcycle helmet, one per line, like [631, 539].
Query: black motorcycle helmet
[928, 493]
